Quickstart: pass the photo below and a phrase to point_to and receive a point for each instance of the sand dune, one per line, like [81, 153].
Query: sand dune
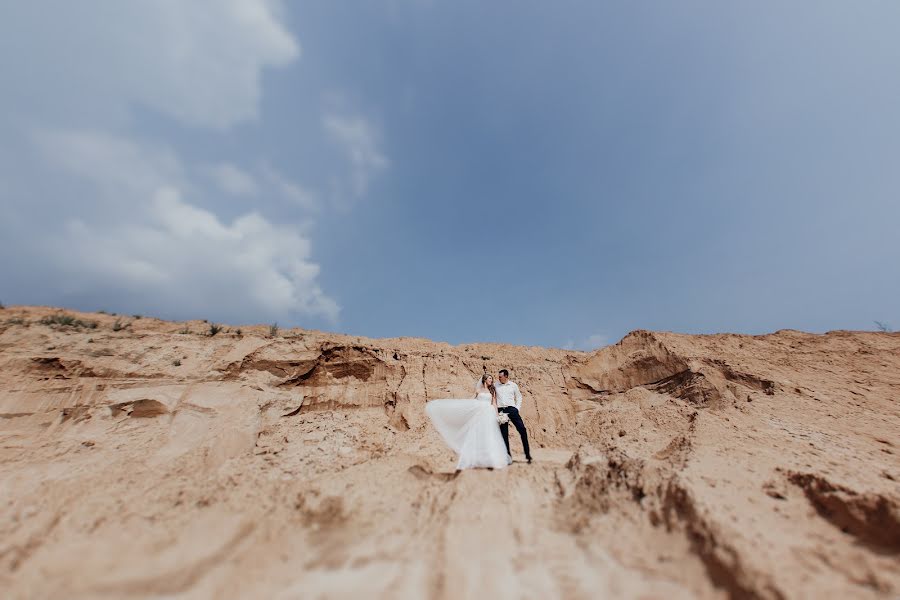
[158, 461]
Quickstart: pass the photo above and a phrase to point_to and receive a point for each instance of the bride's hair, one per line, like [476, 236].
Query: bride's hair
[489, 388]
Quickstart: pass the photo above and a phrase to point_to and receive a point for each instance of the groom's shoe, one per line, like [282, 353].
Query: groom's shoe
[528, 458]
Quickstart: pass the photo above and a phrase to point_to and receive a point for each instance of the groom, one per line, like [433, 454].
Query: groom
[509, 400]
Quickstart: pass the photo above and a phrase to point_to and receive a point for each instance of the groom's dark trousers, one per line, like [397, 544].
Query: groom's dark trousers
[516, 420]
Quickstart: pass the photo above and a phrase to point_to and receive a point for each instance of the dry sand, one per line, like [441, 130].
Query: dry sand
[148, 462]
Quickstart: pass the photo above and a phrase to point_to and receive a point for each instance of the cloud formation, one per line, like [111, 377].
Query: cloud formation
[233, 180]
[592, 342]
[198, 62]
[162, 246]
[131, 219]
[357, 140]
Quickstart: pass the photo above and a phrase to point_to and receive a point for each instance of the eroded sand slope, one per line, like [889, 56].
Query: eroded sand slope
[156, 461]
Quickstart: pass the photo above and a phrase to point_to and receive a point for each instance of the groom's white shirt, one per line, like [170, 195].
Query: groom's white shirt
[508, 394]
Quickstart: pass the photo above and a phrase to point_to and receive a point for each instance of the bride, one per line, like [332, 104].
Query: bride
[470, 427]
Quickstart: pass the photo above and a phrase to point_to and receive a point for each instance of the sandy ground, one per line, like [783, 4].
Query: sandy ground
[149, 459]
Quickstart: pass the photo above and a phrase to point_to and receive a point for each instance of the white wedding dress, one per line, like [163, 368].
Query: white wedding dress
[470, 428]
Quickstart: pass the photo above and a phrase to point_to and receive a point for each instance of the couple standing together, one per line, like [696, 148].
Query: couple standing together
[478, 429]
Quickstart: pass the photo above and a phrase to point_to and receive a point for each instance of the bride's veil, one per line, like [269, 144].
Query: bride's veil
[479, 387]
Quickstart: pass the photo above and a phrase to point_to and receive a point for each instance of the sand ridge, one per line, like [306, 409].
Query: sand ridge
[146, 458]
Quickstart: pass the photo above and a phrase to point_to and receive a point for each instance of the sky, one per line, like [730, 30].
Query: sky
[553, 174]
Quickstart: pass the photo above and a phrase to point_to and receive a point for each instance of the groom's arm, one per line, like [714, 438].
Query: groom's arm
[518, 398]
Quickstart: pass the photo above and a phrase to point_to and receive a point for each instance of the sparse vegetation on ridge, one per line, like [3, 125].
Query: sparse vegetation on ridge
[64, 320]
[323, 424]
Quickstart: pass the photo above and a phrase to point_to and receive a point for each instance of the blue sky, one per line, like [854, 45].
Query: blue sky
[553, 174]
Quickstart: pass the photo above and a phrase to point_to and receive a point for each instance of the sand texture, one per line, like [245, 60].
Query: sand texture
[156, 461]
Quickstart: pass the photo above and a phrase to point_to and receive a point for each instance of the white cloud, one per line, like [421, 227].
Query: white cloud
[192, 262]
[182, 255]
[104, 213]
[199, 62]
[597, 340]
[233, 180]
[290, 190]
[108, 160]
[357, 139]
[592, 342]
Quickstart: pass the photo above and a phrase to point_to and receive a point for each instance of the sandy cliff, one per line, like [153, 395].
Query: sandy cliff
[148, 459]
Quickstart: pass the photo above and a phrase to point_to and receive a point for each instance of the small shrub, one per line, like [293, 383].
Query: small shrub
[15, 321]
[65, 320]
[882, 327]
[2, 306]
[60, 319]
[273, 329]
[238, 331]
[102, 312]
[176, 362]
[184, 330]
[214, 328]
[136, 316]
[119, 326]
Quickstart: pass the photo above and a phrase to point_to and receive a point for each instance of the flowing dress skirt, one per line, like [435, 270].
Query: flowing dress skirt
[471, 430]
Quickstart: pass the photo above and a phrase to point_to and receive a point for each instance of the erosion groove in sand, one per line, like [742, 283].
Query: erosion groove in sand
[151, 462]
